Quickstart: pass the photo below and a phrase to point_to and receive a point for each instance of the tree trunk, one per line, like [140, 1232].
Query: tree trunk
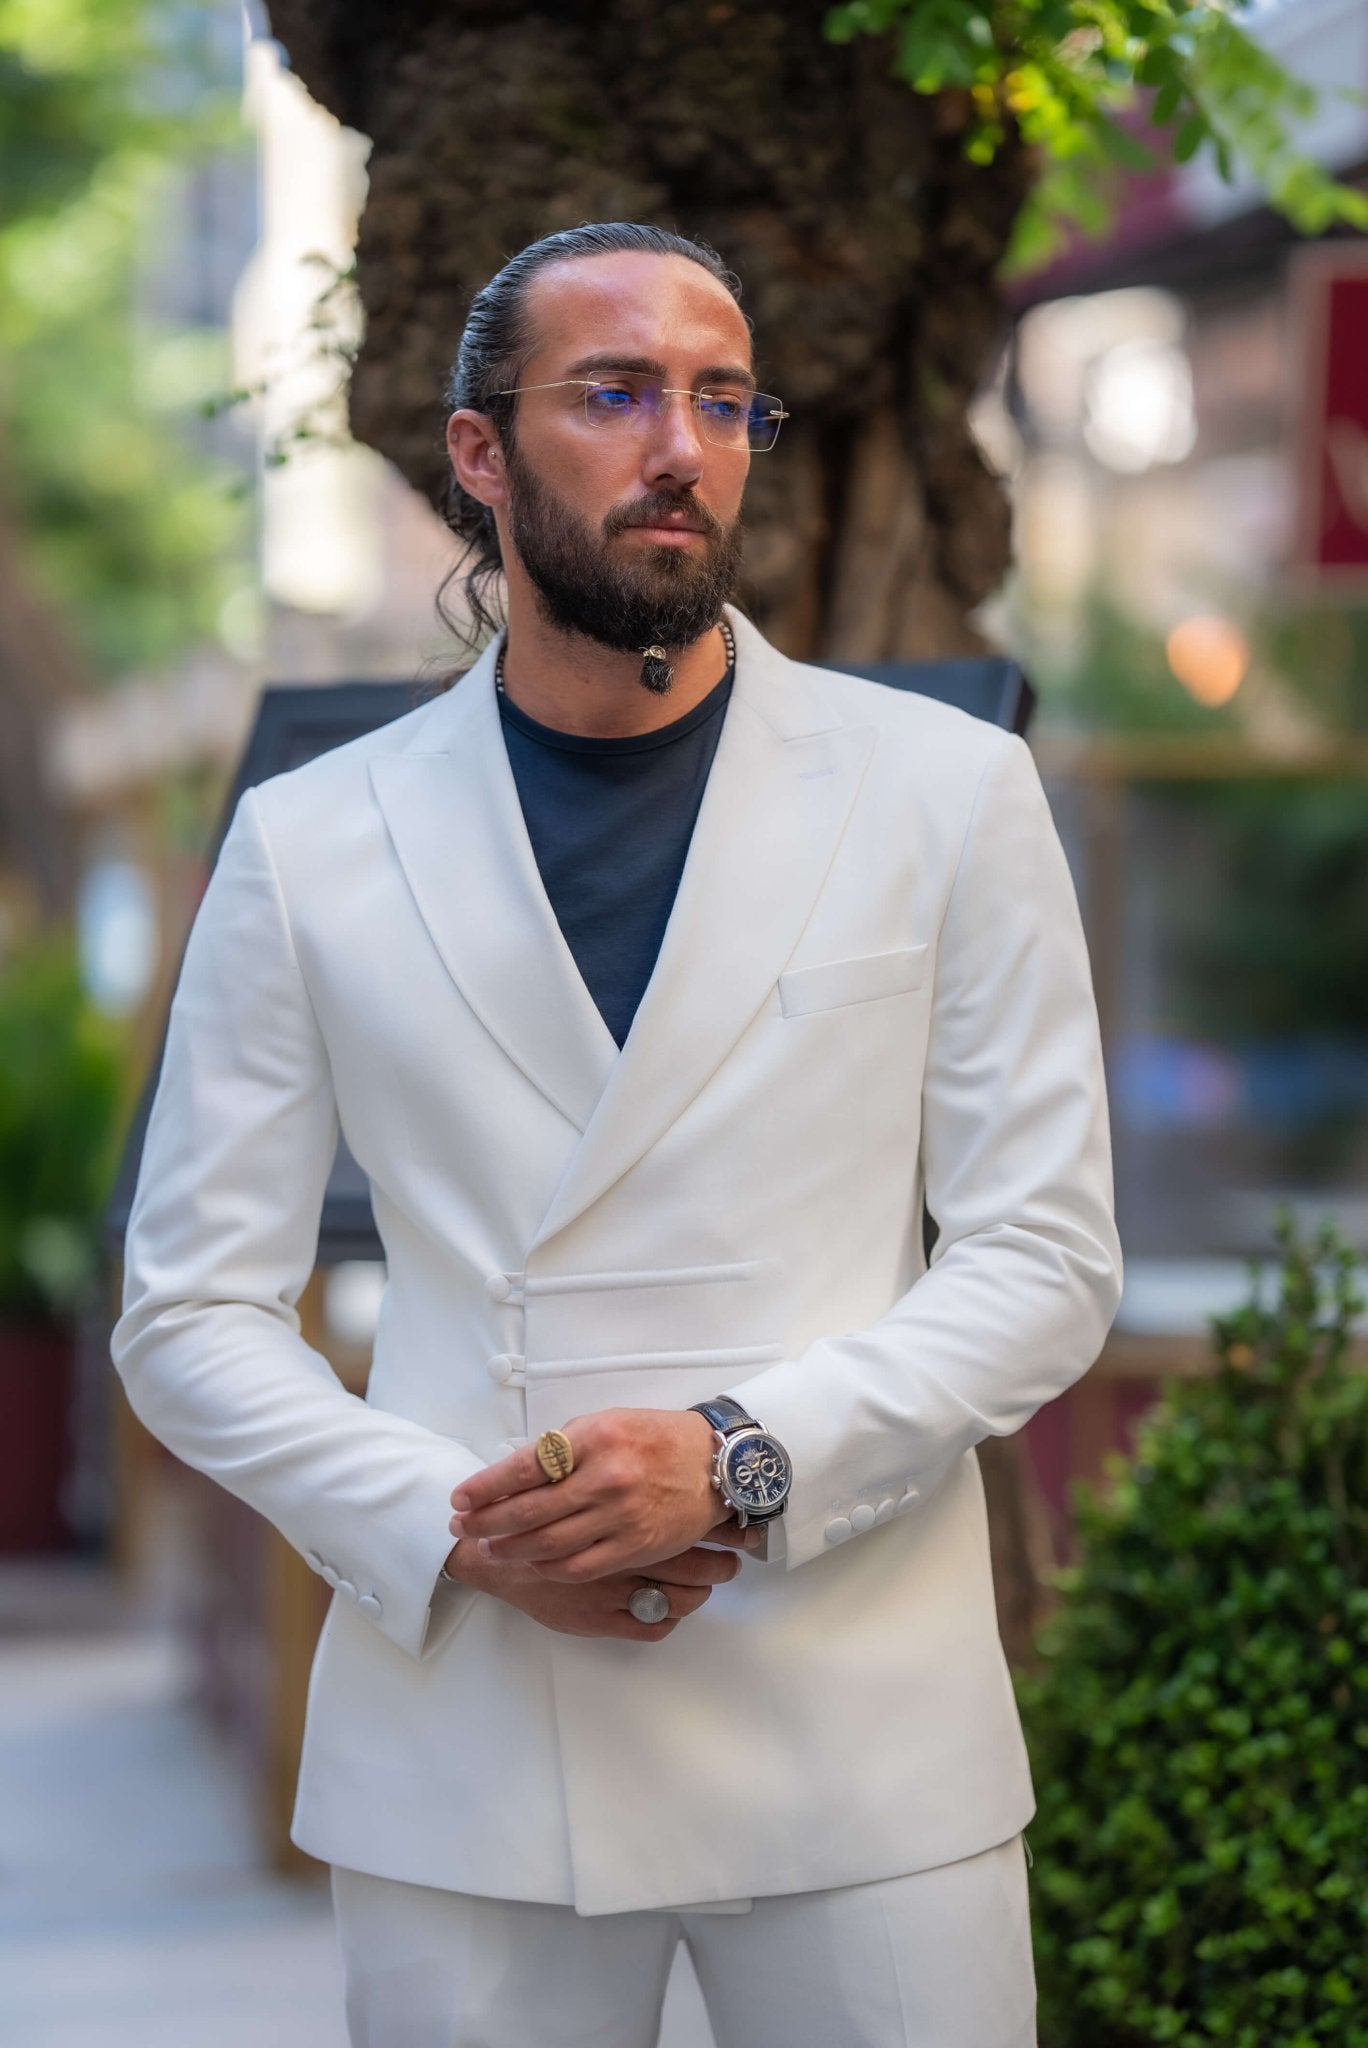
[39, 670]
[866, 242]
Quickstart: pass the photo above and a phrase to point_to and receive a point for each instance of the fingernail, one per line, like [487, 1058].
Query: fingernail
[483, 1547]
[461, 1503]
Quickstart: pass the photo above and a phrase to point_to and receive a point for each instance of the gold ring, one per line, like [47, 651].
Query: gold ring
[555, 1455]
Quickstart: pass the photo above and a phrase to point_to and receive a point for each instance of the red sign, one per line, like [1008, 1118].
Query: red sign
[1330, 304]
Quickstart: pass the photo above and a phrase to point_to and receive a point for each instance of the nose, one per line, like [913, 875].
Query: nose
[675, 446]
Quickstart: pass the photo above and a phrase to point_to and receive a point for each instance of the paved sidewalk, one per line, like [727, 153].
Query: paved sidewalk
[133, 1911]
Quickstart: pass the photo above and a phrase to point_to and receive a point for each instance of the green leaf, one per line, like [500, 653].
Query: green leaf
[1123, 147]
[1190, 138]
[1156, 67]
[1071, 64]
[1166, 103]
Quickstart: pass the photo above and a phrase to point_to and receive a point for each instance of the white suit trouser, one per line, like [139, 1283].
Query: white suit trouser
[938, 1959]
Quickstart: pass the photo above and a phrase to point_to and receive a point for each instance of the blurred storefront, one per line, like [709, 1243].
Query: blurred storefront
[1183, 408]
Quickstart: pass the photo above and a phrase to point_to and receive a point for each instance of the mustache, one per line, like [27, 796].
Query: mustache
[650, 511]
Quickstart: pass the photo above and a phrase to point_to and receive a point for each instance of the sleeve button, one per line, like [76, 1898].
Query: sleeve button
[837, 1530]
[498, 1287]
[368, 1604]
[885, 1511]
[862, 1519]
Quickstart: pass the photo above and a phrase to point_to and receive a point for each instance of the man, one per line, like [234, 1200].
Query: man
[654, 979]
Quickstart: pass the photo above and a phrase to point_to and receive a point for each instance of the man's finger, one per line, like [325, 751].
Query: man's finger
[686, 1600]
[697, 1567]
[513, 1474]
[536, 1507]
[634, 1631]
[596, 1561]
[553, 1543]
[734, 1537]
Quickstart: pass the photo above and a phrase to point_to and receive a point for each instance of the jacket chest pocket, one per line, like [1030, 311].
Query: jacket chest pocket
[835, 984]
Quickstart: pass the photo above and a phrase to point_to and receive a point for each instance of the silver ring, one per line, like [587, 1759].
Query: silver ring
[649, 1603]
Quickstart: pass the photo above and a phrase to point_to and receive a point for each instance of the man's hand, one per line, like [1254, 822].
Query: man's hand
[599, 1608]
[641, 1491]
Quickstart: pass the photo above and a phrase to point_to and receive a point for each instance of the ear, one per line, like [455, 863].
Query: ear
[477, 457]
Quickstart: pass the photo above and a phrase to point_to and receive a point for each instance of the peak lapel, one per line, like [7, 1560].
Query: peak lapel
[452, 810]
[780, 789]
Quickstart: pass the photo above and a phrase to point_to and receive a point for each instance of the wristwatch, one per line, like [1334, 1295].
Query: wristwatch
[751, 1468]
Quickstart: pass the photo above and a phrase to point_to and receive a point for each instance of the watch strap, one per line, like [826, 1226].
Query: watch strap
[725, 1414]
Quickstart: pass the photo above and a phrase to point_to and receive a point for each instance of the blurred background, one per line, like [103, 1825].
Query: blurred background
[1108, 416]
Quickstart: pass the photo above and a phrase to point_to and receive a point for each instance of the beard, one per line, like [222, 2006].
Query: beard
[666, 596]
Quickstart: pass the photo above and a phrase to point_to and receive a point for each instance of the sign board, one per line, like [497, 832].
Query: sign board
[1329, 308]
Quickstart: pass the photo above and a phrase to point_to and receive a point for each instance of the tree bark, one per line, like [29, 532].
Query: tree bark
[866, 241]
[39, 669]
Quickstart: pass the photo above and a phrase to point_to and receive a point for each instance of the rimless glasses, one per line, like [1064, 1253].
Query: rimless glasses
[728, 416]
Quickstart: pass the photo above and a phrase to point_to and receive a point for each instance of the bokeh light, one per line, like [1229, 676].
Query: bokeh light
[1210, 658]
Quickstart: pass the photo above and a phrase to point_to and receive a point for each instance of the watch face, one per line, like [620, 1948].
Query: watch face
[755, 1472]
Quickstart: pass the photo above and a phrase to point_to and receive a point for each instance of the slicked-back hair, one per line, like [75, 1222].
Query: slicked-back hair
[495, 345]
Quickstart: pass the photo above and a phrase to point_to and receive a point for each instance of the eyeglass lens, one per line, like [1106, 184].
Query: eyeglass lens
[734, 418]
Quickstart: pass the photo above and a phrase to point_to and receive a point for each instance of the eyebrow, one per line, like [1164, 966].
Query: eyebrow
[647, 366]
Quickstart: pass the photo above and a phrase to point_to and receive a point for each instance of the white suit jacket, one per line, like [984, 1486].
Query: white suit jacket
[874, 984]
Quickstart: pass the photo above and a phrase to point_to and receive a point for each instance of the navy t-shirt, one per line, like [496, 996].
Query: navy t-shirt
[610, 822]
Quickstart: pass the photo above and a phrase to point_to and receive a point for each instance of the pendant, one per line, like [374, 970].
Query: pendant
[657, 672]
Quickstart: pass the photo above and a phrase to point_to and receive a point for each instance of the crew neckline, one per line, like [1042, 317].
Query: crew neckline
[618, 743]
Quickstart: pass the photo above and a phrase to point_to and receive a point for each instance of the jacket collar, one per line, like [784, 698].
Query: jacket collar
[777, 797]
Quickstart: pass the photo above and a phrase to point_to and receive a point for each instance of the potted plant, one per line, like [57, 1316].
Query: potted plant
[61, 1069]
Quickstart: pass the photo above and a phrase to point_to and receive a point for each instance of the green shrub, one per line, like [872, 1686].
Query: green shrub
[1198, 1713]
[61, 1065]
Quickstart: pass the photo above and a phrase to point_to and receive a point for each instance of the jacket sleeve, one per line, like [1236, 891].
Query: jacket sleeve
[1025, 1275]
[221, 1240]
